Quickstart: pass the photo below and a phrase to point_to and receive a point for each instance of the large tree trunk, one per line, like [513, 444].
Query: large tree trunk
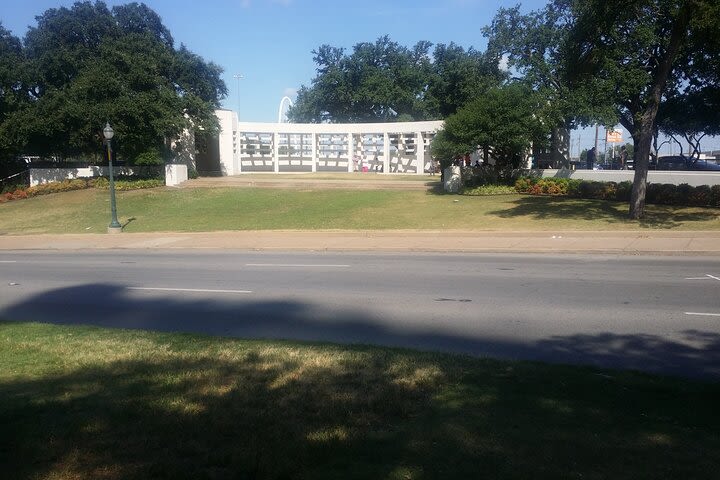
[643, 142]
[645, 122]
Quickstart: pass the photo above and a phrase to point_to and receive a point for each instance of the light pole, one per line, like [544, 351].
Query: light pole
[238, 77]
[114, 226]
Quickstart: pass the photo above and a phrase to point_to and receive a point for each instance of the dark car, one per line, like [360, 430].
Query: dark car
[680, 162]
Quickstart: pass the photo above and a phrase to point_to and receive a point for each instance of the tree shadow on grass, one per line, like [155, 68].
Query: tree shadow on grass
[224, 409]
[180, 406]
[656, 216]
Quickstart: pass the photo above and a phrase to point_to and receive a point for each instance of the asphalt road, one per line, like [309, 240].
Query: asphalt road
[658, 314]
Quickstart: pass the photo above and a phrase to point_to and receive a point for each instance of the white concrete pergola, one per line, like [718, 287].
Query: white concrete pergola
[247, 147]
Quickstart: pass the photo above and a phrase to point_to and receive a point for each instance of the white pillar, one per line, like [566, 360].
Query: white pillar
[239, 150]
[313, 141]
[420, 153]
[351, 152]
[386, 153]
[276, 152]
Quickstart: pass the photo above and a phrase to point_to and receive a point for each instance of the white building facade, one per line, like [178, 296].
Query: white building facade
[248, 147]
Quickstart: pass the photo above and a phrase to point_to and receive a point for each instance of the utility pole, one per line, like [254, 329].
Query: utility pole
[596, 137]
[238, 77]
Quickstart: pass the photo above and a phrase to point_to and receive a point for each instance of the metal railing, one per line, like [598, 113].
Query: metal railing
[20, 179]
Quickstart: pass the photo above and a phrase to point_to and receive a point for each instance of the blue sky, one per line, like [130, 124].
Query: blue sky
[270, 42]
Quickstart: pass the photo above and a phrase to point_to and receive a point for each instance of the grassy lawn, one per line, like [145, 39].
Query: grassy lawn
[92, 403]
[208, 209]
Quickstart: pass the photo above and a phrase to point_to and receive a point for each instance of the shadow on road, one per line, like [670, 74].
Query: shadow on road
[696, 354]
[270, 415]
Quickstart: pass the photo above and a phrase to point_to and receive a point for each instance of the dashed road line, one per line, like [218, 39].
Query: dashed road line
[193, 290]
[703, 314]
[295, 265]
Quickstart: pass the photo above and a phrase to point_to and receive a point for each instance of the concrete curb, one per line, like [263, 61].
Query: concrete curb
[618, 242]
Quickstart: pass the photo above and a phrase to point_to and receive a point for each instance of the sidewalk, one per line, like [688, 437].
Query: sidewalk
[616, 242]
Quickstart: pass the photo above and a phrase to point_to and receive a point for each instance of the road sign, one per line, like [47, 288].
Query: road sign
[614, 136]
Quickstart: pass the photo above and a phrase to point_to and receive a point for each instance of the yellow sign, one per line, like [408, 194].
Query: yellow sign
[613, 136]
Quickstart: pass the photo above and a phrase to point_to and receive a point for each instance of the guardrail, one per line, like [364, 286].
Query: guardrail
[20, 178]
[694, 179]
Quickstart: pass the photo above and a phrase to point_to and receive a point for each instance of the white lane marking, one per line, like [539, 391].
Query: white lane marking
[294, 265]
[703, 314]
[198, 290]
[8, 261]
[706, 277]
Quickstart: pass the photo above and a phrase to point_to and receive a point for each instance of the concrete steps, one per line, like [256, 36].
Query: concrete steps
[371, 183]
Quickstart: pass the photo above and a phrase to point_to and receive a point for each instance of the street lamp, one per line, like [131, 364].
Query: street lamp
[238, 77]
[114, 226]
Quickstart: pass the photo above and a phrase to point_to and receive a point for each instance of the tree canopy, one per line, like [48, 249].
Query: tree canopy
[502, 123]
[384, 81]
[84, 65]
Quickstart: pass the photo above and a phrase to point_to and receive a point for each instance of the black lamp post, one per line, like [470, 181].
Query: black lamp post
[114, 226]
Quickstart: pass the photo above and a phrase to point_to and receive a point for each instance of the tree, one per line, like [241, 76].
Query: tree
[502, 123]
[690, 117]
[91, 64]
[377, 82]
[384, 81]
[534, 47]
[13, 94]
[636, 54]
[459, 76]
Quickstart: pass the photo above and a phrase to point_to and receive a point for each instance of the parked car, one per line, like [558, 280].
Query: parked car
[680, 162]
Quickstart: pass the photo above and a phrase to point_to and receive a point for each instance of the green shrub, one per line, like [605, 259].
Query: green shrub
[124, 185]
[524, 184]
[683, 193]
[661, 194]
[623, 191]
[700, 196]
[665, 194]
[46, 188]
[12, 187]
[150, 157]
[609, 191]
[491, 175]
[715, 195]
[489, 190]
[573, 187]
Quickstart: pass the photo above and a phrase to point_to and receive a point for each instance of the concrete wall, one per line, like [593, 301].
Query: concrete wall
[399, 147]
[46, 175]
[691, 178]
[175, 174]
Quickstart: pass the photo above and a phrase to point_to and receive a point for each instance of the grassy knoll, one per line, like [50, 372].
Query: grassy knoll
[208, 209]
[85, 402]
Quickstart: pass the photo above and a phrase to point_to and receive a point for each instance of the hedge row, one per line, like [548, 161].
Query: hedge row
[657, 193]
[123, 185]
[484, 190]
[44, 189]
[78, 184]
